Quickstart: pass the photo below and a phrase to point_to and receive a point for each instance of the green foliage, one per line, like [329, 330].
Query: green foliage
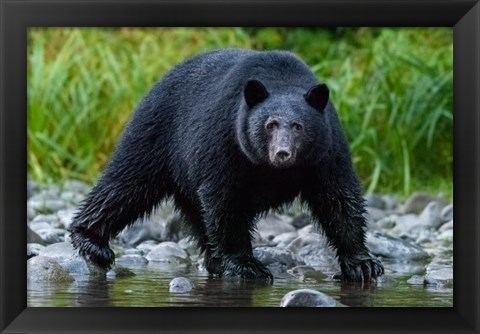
[392, 88]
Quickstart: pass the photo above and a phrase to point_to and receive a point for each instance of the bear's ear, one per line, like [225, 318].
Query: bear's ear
[254, 92]
[317, 96]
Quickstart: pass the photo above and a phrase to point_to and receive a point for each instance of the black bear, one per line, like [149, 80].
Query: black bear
[231, 134]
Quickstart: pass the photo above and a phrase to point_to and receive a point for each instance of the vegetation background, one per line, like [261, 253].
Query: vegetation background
[392, 88]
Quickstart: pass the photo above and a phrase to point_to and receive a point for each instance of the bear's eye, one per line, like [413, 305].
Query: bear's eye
[271, 125]
[297, 126]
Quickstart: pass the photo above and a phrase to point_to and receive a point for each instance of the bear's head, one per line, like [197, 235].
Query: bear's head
[284, 126]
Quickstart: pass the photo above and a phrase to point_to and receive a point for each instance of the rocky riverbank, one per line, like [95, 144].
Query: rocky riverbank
[414, 238]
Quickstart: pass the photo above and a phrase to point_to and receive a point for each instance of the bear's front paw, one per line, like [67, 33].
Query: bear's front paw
[362, 269]
[246, 267]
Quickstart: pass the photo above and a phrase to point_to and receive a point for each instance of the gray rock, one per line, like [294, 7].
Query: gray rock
[301, 220]
[34, 238]
[277, 260]
[69, 259]
[307, 274]
[417, 202]
[119, 272]
[446, 236]
[169, 252]
[189, 245]
[157, 227]
[147, 229]
[65, 217]
[430, 216]
[390, 247]
[52, 235]
[374, 201]
[439, 275]
[447, 213]
[319, 256]
[416, 280]
[180, 285]
[133, 251]
[50, 220]
[373, 215]
[273, 225]
[44, 269]
[34, 250]
[284, 239]
[308, 229]
[446, 226]
[307, 298]
[147, 245]
[391, 202]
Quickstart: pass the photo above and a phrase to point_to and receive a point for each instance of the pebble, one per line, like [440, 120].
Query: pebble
[65, 217]
[430, 216]
[307, 298]
[180, 285]
[446, 226]
[131, 260]
[169, 252]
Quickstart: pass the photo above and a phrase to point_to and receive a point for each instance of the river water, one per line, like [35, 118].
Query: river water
[150, 288]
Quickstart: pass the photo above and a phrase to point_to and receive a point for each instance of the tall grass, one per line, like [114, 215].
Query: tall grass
[392, 88]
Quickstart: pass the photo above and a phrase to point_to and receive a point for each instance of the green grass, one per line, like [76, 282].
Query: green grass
[392, 88]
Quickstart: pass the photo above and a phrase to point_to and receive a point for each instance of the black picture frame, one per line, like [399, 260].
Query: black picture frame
[17, 15]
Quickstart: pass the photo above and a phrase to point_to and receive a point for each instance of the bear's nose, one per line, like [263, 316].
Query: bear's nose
[283, 155]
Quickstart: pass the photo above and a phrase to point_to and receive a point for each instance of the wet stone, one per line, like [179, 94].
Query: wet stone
[416, 280]
[180, 285]
[69, 259]
[44, 269]
[307, 298]
[390, 247]
[277, 260]
[119, 272]
[169, 252]
[441, 275]
[33, 249]
[307, 273]
[147, 246]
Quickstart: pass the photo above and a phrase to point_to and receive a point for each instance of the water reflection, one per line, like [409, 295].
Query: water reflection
[149, 287]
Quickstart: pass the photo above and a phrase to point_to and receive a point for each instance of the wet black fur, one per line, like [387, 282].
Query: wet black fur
[194, 138]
